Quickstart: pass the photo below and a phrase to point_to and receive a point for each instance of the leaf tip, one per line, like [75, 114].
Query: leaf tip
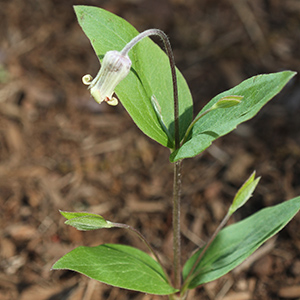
[63, 213]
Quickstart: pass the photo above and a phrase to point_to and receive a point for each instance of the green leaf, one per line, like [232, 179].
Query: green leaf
[118, 265]
[256, 92]
[85, 221]
[236, 242]
[150, 74]
[244, 193]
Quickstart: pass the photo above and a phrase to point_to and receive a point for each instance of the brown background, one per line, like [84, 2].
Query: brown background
[61, 150]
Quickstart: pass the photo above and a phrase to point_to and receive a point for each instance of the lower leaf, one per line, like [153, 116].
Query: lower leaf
[238, 241]
[118, 265]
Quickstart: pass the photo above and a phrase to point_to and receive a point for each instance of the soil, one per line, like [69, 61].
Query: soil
[61, 150]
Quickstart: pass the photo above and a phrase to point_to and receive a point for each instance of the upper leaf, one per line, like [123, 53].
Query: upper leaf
[150, 74]
[118, 265]
[256, 92]
[236, 242]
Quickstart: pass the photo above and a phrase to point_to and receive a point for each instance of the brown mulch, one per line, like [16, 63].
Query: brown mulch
[60, 150]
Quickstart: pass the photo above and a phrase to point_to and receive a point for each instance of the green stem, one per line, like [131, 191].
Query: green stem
[177, 165]
[143, 239]
[187, 280]
[192, 125]
[170, 55]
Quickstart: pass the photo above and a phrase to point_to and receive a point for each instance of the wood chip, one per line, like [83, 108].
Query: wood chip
[144, 206]
[239, 167]
[290, 292]
[7, 248]
[21, 232]
[238, 296]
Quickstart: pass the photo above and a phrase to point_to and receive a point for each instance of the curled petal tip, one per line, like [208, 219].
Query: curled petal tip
[113, 101]
[115, 67]
[87, 79]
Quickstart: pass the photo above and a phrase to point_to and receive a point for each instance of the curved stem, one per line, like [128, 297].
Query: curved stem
[221, 225]
[143, 239]
[177, 165]
[170, 55]
[192, 125]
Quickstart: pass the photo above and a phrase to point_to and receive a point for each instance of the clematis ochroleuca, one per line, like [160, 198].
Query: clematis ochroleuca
[115, 67]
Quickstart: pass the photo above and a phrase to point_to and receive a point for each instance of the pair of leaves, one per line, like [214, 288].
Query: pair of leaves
[117, 265]
[150, 77]
[133, 269]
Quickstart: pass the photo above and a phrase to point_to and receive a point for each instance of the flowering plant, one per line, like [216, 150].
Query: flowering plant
[156, 96]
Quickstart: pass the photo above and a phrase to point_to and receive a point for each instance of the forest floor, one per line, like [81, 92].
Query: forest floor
[60, 150]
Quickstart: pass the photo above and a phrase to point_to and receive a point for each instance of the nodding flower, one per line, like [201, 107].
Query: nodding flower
[115, 67]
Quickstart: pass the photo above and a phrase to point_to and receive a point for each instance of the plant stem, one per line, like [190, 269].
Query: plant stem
[177, 165]
[221, 225]
[170, 55]
[176, 224]
[192, 125]
[143, 239]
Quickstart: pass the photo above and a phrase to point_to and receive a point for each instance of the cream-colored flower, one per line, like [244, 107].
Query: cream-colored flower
[115, 67]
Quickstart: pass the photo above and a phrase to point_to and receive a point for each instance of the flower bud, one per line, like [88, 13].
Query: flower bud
[115, 67]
